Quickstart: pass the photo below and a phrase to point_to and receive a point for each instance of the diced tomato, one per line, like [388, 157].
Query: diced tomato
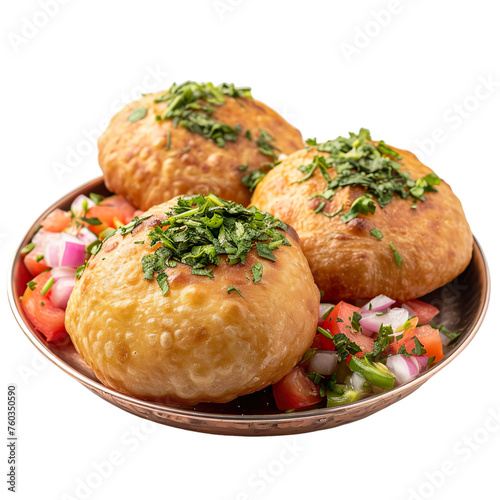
[295, 390]
[56, 221]
[429, 337]
[425, 312]
[111, 211]
[46, 318]
[35, 267]
[323, 343]
[339, 321]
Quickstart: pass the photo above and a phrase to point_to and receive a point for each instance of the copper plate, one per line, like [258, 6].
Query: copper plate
[462, 303]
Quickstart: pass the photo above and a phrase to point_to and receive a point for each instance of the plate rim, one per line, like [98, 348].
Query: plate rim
[248, 419]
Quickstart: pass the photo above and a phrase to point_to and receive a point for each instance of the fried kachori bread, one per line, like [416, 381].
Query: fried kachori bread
[230, 330]
[425, 240]
[194, 138]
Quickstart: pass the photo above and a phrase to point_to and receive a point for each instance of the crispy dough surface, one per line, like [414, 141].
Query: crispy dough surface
[349, 263]
[198, 343]
[137, 164]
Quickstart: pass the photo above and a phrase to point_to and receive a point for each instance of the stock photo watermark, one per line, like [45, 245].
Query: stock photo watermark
[260, 480]
[102, 470]
[454, 116]
[223, 7]
[75, 154]
[32, 25]
[462, 451]
[365, 33]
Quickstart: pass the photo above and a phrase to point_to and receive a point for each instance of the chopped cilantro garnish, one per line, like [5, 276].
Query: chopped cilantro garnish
[39, 258]
[191, 105]
[419, 348]
[377, 233]
[355, 321]
[445, 331]
[232, 288]
[199, 229]
[358, 162]
[242, 168]
[362, 205]
[397, 255]
[257, 271]
[202, 272]
[96, 198]
[93, 221]
[248, 134]
[255, 176]
[31, 285]
[137, 114]
[80, 270]
[344, 346]
[162, 280]
[265, 146]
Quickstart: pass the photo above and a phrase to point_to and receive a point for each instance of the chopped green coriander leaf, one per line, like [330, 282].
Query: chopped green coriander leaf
[344, 346]
[232, 288]
[192, 105]
[248, 134]
[264, 251]
[355, 321]
[202, 272]
[257, 271]
[335, 213]
[138, 242]
[162, 280]
[42, 304]
[377, 233]
[137, 114]
[31, 285]
[445, 331]
[356, 161]
[320, 207]
[431, 360]
[315, 377]
[242, 168]
[419, 348]
[93, 221]
[169, 139]
[402, 350]
[96, 198]
[80, 270]
[397, 255]
[265, 146]
[47, 286]
[362, 205]
[200, 229]
[39, 258]
[252, 179]
[92, 248]
[27, 249]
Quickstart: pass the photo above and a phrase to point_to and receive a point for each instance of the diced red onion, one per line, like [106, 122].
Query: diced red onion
[324, 307]
[77, 206]
[323, 362]
[86, 236]
[396, 318]
[379, 303]
[406, 368]
[51, 253]
[72, 254]
[63, 272]
[61, 291]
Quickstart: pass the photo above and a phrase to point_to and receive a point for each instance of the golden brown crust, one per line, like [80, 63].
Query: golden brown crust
[347, 262]
[198, 343]
[137, 164]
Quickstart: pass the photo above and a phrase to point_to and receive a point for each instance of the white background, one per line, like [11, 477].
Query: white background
[418, 66]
